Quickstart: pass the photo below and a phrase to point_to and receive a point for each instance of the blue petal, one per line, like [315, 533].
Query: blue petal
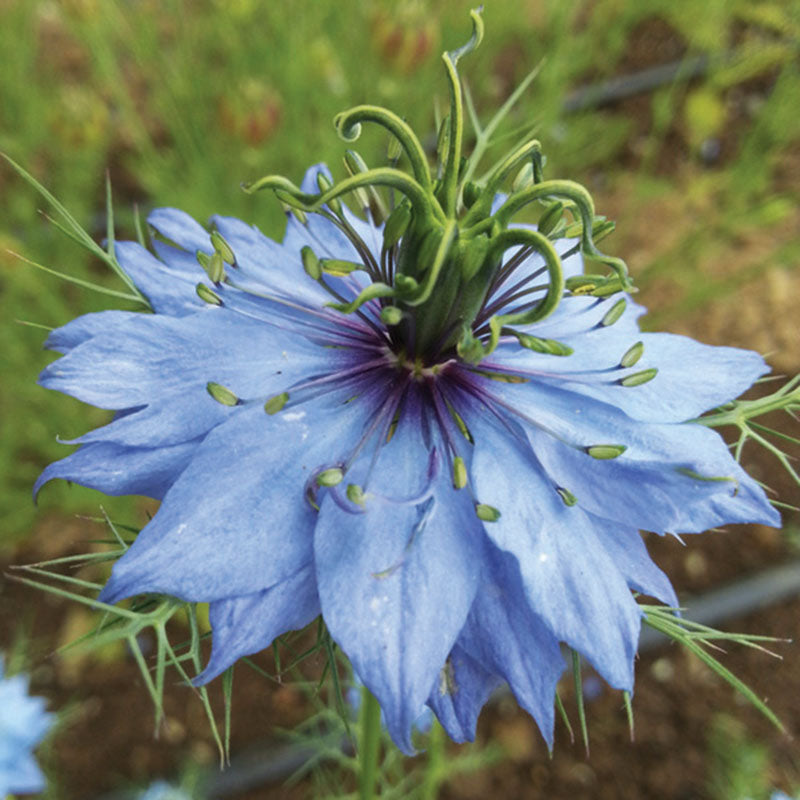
[692, 377]
[184, 264]
[326, 240]
[570, 580]
[168, 291]
[248, 624]
[397, 580]
[179, 227]
[25, 776]
[83, 328]
[268, 266]
[117, 470]
[510, 640]
[237, 520]
[648, 485]
[160, 362]
[627, 550]
[461, 692]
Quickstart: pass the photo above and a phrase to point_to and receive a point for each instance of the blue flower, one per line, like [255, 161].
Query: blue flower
[436, 432]
[453, 521]
[23, 724]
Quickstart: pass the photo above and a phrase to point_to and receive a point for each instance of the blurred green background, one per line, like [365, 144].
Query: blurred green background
[181, 100]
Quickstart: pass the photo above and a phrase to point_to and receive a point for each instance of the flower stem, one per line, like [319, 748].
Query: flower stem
[369, 745]
[433, 768]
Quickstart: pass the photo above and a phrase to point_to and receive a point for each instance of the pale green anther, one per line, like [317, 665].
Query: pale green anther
[567, 496]
[394, 150]
[614, 313]
[604, 452]
[334, 204]
[391, 315]
[524, 178]
[311, 263]
[354, 164]
[459, 473]
[300, 215]
[355, 494]
[276, 403]
[551, 218]
[690, 473]
[632, 355]
[601, 227]
[474, 256]
[460, 424]
[550, 347]
[330, 477]
[337, 268]
[443, 140]
[486, 513]
[223, 248]
[215, 268]
[222, 394]
[638, 378]
[205, 294]
[202, 259]
[396, 225]
[584, 284]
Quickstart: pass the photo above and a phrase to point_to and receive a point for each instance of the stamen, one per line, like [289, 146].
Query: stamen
[605, 452]
[567, 496]
[638, 378]
[632, 355]
[276, 403]
[207, 295]
[486, 513]
[222, 394]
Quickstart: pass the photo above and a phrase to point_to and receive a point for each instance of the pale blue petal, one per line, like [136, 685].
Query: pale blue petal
[266, 266]
[167, 291]
[570, 580]
[180, 261]
[626, 548]
[505, 635]
[237, 520]
[21, 777]
[461, 692]
[396, 581]
[83, 328]
[177, 226]
[324, 238]
[662, 482]
[159, 362]
[118, 470]
[692, 377]
[245, 625]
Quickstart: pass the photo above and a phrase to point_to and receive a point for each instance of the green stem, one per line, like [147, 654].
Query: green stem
[433, 767]
[369, 745]
[347, 124]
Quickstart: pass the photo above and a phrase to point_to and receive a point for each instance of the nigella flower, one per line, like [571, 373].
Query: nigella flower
[437, 432]
[23, 724]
